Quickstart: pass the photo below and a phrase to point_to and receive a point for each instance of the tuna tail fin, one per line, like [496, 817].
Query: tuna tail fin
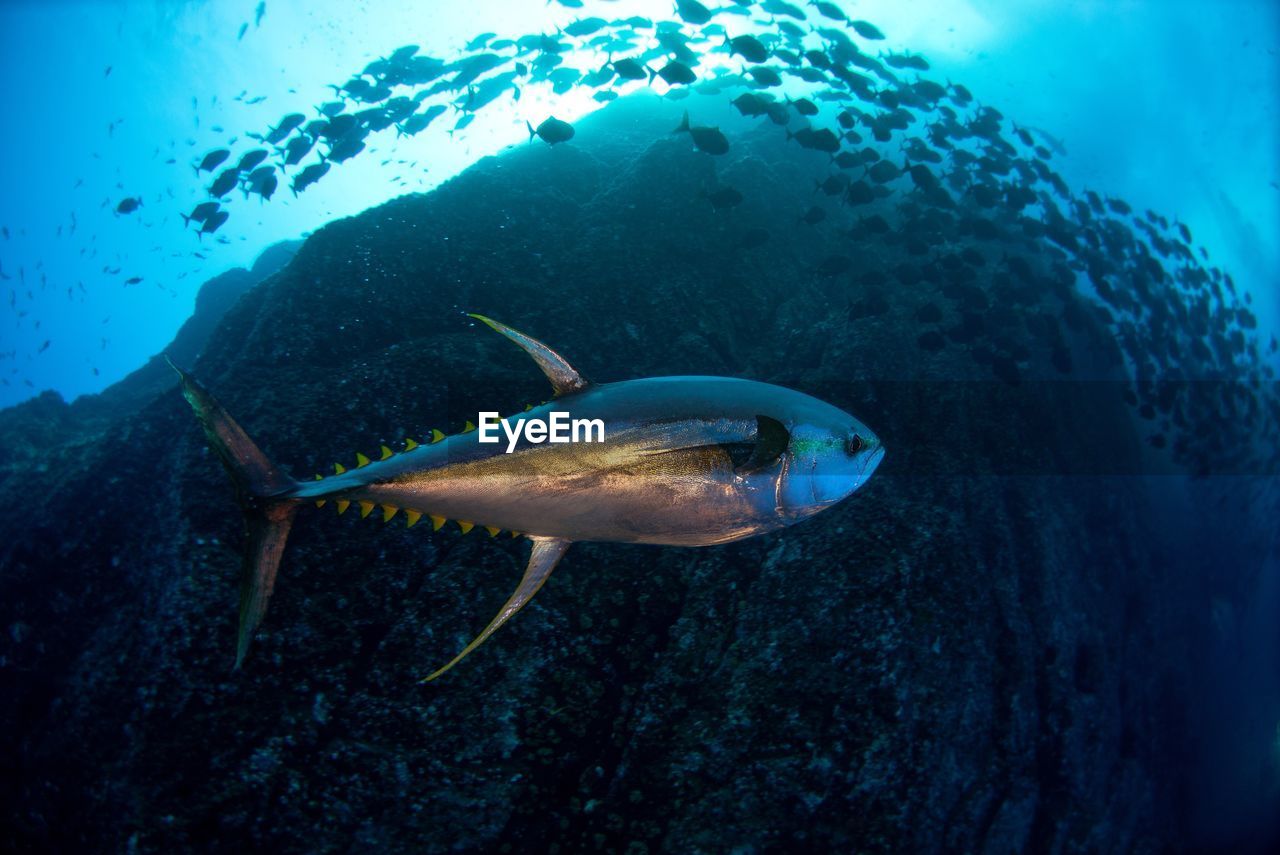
[263, 493]
[532, 131]
[684, 124]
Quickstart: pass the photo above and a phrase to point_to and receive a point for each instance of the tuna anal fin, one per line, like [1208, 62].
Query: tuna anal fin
[547, 552]
[563, 376]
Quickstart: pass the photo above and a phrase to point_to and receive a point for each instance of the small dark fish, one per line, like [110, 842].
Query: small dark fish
[212, 160]
[629, 69]
[227, 179]
[266, 188]
[261, 181]
[200, 213]
[244, 28]
[586, 26]
[285, 127]
[677, 73]
[214, 223]
[128, 205]
[867, 30]
[822, 139]
[551, 131]
[818, 59]
[133, 280]
[747, 47]
[883, 171]
[308, 176]
[764, 76]
[906, 60]
[710, 140]
[804, 106]
[296, 149]
[351, 145]
[251, 159]
[692, 11]
[724, 197]
[780, 7]
[830, 10]
[833, 185]
[860, 193]
[44, 346]
[419, 121]
[258, 12]
[848, 159]
[750, 104]
[813, 216]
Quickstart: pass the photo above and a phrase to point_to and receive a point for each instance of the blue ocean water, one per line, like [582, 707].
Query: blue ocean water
[1161, 107]
[1167, 105]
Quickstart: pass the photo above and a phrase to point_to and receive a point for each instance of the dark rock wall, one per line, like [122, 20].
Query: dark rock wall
[979, 651]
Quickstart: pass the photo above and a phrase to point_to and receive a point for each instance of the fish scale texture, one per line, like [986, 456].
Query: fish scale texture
[940, 663]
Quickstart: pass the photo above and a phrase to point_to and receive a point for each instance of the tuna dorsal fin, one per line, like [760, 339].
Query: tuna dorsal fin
[563, 376]
[547, 552]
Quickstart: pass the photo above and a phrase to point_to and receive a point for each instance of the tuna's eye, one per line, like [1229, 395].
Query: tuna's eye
[854, 444]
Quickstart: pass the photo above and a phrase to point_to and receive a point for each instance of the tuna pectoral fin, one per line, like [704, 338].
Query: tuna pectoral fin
[547, 552]
[262, 491]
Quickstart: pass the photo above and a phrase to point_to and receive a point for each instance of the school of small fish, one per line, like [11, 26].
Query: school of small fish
[1016, 256]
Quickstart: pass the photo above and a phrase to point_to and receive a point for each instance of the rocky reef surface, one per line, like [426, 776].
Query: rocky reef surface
[986, 649]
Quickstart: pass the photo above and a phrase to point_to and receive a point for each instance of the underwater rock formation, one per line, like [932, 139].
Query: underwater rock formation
[980, 651]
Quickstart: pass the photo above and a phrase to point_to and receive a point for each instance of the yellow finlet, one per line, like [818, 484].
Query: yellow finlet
[412, 517]
[493, 530]
[320, 503]
[468, 427]
[338, 469]
[436, 435]
[319, 477]
[528, 407]
[365, 508]
[515, 534]
[409, 444]
[386, 452]
[361, 460]
[388, 512]
[437, 522]
[465, 526]
[343, 504]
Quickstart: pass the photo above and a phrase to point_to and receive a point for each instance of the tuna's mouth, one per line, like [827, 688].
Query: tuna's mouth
[873, 460]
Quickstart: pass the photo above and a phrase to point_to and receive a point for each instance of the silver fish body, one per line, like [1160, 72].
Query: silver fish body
[682, 461]
[662, 475]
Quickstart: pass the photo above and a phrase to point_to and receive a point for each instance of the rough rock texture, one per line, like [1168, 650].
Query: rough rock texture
[976, 652]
